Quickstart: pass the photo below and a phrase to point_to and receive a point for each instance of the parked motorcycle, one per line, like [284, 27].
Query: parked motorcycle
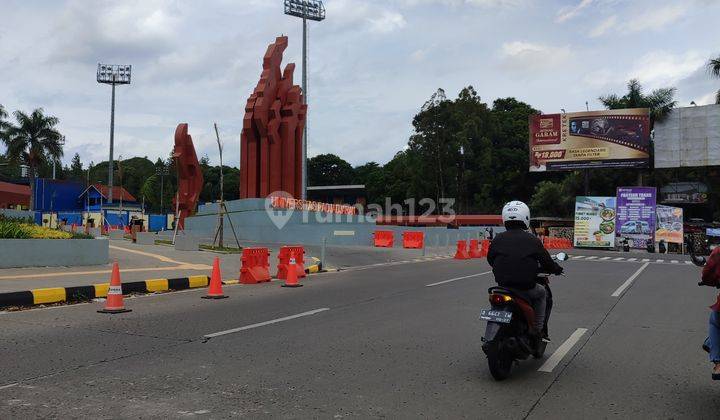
[508, 335]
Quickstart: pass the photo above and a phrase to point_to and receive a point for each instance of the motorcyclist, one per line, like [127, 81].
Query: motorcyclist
[517, 257]
[711, 277]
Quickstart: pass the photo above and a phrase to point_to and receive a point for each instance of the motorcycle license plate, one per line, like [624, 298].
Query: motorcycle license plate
[496, 316]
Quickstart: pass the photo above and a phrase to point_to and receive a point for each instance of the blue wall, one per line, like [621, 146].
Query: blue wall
[55, 195]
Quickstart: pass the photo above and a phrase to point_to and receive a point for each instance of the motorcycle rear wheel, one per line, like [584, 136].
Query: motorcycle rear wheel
[500, 365]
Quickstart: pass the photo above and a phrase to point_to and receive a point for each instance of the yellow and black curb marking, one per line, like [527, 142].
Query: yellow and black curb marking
[85, 293]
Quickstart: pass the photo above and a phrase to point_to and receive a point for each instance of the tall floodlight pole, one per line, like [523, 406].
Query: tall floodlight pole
[112, 74]
[162, 172]
[312, 10]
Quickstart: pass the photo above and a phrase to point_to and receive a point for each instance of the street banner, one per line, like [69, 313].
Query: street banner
[594, 222]
[617, 138]
[669, 224]
[636, 216]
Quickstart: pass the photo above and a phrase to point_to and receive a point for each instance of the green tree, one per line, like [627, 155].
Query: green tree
[34, 140]
[373, 177]
[76, 168]
[4, 125]
[714, 69]
[660, 101]
[328, 169]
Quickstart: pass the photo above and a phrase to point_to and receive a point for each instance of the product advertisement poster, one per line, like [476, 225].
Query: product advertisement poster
[669, 224]
[594, 222]
[636, 216]
[594, 139]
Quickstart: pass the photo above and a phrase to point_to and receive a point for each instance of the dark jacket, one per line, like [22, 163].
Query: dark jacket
[711, 275]
[516, 257]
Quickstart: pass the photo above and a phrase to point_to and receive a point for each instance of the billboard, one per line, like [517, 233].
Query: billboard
[617, 138]
[594, 222]
[684, 193]
[669, 224]
[688, 137]
[636, 216]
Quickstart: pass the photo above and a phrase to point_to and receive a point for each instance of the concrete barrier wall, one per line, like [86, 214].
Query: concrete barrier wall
[253, 223]
[24, 214]
[53, 252]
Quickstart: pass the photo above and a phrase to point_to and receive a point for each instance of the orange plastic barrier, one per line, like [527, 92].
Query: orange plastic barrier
[255, 265]
[475, 251]
[413, 239]
[485, 247]
[284, 261]
[462, 252]
[384, 238]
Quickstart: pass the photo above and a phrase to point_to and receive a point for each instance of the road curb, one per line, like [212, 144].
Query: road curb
[72, 294]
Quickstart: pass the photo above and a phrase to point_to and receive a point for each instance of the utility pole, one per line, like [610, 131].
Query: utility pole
[221, 206]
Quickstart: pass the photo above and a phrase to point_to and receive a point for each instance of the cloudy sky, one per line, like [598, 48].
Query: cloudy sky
[372, 63]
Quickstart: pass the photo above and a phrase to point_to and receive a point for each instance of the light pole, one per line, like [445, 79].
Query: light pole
[162, 172]
[112, 74]
[313, 10]
[61, 142]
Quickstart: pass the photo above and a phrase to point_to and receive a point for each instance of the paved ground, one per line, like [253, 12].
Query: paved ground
[370, 342]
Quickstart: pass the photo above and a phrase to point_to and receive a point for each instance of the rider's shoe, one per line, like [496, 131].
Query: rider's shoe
[706, 348]
[716, 372]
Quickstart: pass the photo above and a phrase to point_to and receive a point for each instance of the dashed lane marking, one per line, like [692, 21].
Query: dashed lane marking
[645, 259]
[674, 262]
[605, 258]
[660, 261]
[592, 257]
[578, 257]
[262, 324]
[632, 259]
[457, 278]
[8, 386]
[552, 362]
[629, 281]
[619, 259]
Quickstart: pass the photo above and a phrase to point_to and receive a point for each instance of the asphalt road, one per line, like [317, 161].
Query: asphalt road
[373, 342]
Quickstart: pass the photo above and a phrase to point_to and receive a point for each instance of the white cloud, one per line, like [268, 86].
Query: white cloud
[387, 22]
[604, 26]
[570, 12]
[655, 19]
[661, 68]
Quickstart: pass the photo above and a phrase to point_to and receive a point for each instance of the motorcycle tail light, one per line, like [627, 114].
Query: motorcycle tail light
[497, 299]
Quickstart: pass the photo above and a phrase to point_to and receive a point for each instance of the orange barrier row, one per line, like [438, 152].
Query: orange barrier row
[462, 253]
[557, 243]
[477, 249]
[413, 239]
[383, 238]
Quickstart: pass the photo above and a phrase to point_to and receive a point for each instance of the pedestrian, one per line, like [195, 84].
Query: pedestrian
[711, 277]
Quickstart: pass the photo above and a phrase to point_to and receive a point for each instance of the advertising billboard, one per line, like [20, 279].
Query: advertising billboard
[688, 137]
[617, 138]
[635, 217]
[669, 224]
[684, 193]
[594, 222]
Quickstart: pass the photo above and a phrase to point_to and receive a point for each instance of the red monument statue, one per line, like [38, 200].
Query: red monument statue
[271, 140]
[190, 177]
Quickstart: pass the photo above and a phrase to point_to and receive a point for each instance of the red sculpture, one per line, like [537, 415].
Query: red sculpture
[190, 177]
[271, 140]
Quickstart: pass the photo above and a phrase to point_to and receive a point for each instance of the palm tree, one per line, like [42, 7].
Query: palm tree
[3, 124]
[33, 140]
[660, 101]
[714, 68]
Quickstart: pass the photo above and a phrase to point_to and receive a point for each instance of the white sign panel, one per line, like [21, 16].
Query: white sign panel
[688, 137]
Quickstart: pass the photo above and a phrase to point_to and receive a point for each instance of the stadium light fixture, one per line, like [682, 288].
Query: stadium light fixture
[113, 74]
[306, 10]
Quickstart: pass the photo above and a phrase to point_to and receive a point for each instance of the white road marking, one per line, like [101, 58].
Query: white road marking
[674, 261]
[605, 258]
[660, 261]
[578, 257]
[552, 362]
[629, 281]
[645, 259]
[619, 259]
[457, 278]
[688, 262]
[9, 386]
[592, 257]
[262, 324]
[632, 259]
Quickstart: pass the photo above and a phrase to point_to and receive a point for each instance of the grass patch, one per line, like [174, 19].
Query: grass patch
[227, 250]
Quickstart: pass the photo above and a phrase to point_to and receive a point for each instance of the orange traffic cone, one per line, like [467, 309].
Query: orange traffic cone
[114, 302]
[215, 290]
[292, 280]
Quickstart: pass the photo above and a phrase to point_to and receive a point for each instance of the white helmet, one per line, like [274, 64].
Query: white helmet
[516, 211]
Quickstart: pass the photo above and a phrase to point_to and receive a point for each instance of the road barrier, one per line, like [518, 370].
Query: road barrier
[284, 261]
[413, 239]
[462, 252]
[384, 238]
[475, 251]
[255, 266]
[291, 278]
[485, 248]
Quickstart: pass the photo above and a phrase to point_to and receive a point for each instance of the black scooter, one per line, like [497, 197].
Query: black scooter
[508, 335]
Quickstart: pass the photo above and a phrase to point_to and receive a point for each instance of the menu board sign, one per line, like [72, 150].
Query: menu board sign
[636, 216]
[594, 222]
[669, 224]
